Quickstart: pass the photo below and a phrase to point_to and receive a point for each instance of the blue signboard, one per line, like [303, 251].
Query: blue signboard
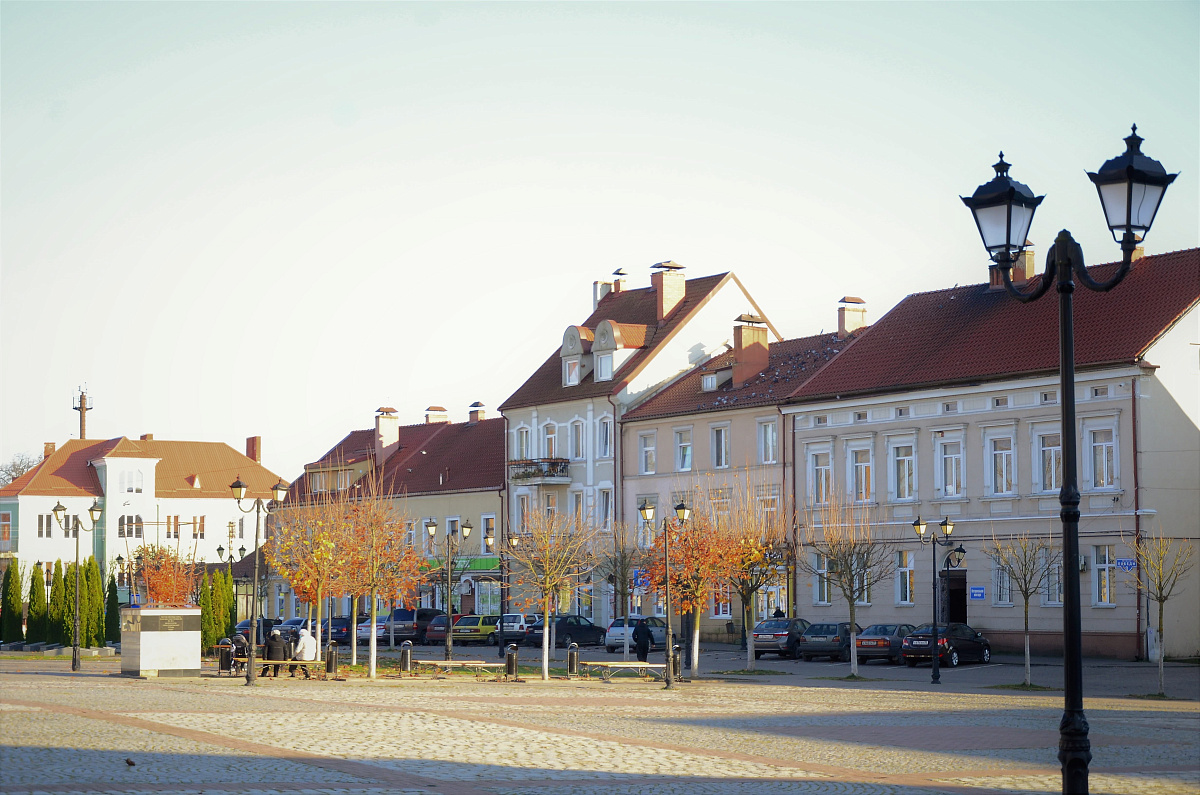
[1127, 564]
[640, 579]
[978, 593]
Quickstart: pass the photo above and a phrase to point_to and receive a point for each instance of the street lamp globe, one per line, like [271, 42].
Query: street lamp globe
[956, 555]
[95, 511]
[431, 527]
[1131, 187]
[220, 553]
[920, 526]
[947, 526]
[279, 491]
[238, 488]
[1003, 210]
[682, 513]
[241, 551]
[647, 512]
[58, 510]
[466, 529]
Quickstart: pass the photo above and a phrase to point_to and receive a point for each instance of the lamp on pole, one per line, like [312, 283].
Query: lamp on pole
[278, 492]
[947, 528]
[489, 538]
[1130, 186]
[431, 528]
[682, 512]
[94, 513]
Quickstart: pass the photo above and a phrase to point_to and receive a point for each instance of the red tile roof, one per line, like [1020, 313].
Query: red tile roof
[790, 364]
[971, 333]
[635, 307]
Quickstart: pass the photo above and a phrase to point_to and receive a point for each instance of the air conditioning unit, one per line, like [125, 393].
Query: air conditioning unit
[1083, 562]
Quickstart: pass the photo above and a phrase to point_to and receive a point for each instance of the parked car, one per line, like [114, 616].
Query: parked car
[410, 625]
[265, 625]
[826, 640]
[778, 636]
[338, 629]
[515, 625]
[435, 631]
[363, 631]
[476, 629]
[614, 638]
[956, 643]
[568, 629]
[882, 641]
[291, 628]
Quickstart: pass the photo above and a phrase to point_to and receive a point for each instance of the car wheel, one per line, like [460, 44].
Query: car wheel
[758, 655]
[807, 657]
[986, 657]
[894, 660]
[611, 649]
[491, 641]
[910, 662]
[845, 655]
[952, 658]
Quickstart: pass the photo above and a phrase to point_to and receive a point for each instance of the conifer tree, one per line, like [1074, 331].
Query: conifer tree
[68, 614]
[54, 615]
[11, 609]
[35, 623]
[96, 585]
[219, 612]
[112, 613]
[206, 615]
[85, 607]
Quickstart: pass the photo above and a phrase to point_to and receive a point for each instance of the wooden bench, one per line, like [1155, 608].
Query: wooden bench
[607, 669]
[445, 667]
[307, 665]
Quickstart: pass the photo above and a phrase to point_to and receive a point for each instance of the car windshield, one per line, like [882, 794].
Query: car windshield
[467, 621]
[880, 629]
[821, 629]
[776, 624]
[402, 614]
[927, 629]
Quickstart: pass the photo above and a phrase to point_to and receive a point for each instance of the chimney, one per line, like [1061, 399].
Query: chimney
[147, 437]
[852, 315]
[476, 413]
[48, 449]
[254, 448]
[750, 349]
[601, 289]
[1024, 268]
[435, 414]
[387, 433]
[1138, 253]
[669, 287]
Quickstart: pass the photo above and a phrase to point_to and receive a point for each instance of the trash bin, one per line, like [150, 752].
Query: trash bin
[675, 673]
[510, 660]
[573, 660]
[225, 657]
[406, 657]
[331, 659]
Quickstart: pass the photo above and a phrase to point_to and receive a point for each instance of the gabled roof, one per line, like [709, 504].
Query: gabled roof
[357, 446]
[635, 307]
[214, 465]
[790, 364]
[968, 334]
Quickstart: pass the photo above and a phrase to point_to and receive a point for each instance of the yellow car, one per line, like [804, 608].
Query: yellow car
[476, 629]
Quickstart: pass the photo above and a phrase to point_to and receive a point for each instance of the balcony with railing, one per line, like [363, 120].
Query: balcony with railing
[540, 470]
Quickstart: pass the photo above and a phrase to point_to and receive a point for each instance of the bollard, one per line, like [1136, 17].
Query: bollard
[573, 660]
[675, 673]
[331, 660]
[510, 661]
[406, 657]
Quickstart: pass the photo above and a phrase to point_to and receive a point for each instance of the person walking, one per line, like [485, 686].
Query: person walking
[277, 649]
[641, 639]
[306, 651]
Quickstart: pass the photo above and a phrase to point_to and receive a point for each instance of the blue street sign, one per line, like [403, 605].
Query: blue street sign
[978, 593]
[640, 579]
[1126, 564]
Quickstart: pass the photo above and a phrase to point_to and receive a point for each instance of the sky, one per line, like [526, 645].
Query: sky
[270, 219]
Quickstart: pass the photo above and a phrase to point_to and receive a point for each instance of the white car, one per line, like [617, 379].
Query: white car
[363, 631]
[614, 639]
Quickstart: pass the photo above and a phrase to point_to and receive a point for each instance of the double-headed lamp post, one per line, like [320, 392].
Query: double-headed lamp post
[94, 513]
[953, 558]
[278, 493]
[682, 513]
[1131, 187]
[466, 528]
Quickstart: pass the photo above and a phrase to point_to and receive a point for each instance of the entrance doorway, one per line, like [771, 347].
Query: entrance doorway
[956, 596]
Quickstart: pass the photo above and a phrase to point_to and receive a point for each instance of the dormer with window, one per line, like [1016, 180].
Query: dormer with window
[614, 345]
[575, 350]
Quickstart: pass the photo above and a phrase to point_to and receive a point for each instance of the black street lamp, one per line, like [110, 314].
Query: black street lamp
[94, 513]
[947, 528]
[682, 512]
[1131, 187]
[278, 492]
[465, 529]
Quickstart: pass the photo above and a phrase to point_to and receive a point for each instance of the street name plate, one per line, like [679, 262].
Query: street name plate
[978, 592]
[1126, 564]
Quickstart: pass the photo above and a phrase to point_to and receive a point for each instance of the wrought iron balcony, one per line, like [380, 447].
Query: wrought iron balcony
[540, 470]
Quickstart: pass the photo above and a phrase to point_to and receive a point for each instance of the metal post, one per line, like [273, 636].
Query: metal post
[252, 632]
[449, 603]
[75, 641]
[668, 678]
[936, 652]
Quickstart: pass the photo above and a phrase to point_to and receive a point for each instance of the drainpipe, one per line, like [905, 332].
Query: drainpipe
[1143, 641]
[787, 495]
[623, 609]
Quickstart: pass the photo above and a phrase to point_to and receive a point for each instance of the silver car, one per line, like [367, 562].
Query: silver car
[614, 639]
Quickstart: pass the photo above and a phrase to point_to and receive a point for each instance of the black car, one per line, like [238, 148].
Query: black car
[882, 641]
[567, 630]
[291, 628]
[956, 643]
[827, 640]
[778, 636]
[265, 625]
[339, 629]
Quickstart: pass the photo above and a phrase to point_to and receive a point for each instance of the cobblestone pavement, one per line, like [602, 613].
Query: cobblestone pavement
[66, 733]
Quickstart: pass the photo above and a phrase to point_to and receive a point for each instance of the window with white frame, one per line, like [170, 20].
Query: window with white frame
[646, 530]
[410, 533]
[646, 450]
[1002, 469]
[1102, 442]
[683, 450]
[718, 503]
[487, 528]
[577, 508]
[820, 477]
[720, 446]
[768, 441]
[860, 473]
[571, 372]
[904, 472]
[577, 445]
[767, 497]
[550, 503]
[708, 382]
[1002, 590]
[549, 440]
[345, 478]
[604, 367]
[721, 602]
[1052, 586]
[523, 510]
[1103, 586]
[1049, 453]
[949, 454]
[604, 438]
[5, 526]
[316, 482]
[604, 509]
[862, 583]
[905, 577]
[822, 591]
[521, 448]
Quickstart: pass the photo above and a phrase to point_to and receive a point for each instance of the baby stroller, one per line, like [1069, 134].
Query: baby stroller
[241, 649]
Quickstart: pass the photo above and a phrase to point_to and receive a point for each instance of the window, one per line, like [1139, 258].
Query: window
[604, 437]
[1050, 458]
[316, 482]
[345, 479]
[550, 502]
[1001, 586]
[1102, 579]
[1103, 459]
[1100, 391]
[905, 577]
[951, 468]
[241, 527]
[718, 503]
[721, 602]
[1052, 588]
[950, 407]
[1000, 402]
[901, 411]
[577, 508]
[410, 533]
[571, 372]
[577, 447]
[862, 584]
[605, 509]
[1050, 396]
[860, 461]
[131, 482]
[44, 526]
[683, 450]
[860, 416]
[768, 504]
[521, 451]
[768, 442]
[821, 480]
[645, 530]
[1002, 471]
[523, 510]
[903, 472]
[549, 440]
[604, 367]
[708, 382]
[822, 592]
[720, 447]
[197, 527]
[5, 526]
[488, 528]
[646, 448]
[820, 420]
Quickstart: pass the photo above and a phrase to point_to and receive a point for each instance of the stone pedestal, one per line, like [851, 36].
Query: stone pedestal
[160, 641]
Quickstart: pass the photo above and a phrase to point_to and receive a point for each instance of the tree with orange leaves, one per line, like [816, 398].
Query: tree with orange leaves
[170, 579]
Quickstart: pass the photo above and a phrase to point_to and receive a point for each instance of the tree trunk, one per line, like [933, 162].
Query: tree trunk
[747, 611]
[371, 643]
[353, 634]
[1027, 681]
[695, 647]
[853, 641]
[546, 626]
[317, 628]
[1162, 650]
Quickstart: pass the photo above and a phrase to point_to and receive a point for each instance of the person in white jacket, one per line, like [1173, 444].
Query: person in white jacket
[306, 649]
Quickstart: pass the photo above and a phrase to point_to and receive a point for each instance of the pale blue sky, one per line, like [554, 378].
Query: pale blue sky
[237, 219]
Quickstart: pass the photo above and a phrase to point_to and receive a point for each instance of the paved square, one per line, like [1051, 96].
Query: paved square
[61, 732]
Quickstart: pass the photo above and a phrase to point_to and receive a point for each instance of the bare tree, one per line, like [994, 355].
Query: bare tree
[618, 563]
[553, 553]
[1026, 565]
[855, 555]
[17, 466]
[1163, 562]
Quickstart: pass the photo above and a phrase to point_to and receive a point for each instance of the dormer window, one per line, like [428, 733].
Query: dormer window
[708, 382]
[604, 367]
[571, 372]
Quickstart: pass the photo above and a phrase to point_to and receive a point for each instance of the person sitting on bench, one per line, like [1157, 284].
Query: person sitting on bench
[277, 649]
[306, 650]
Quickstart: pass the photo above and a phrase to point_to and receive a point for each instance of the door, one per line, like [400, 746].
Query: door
[956, 597]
